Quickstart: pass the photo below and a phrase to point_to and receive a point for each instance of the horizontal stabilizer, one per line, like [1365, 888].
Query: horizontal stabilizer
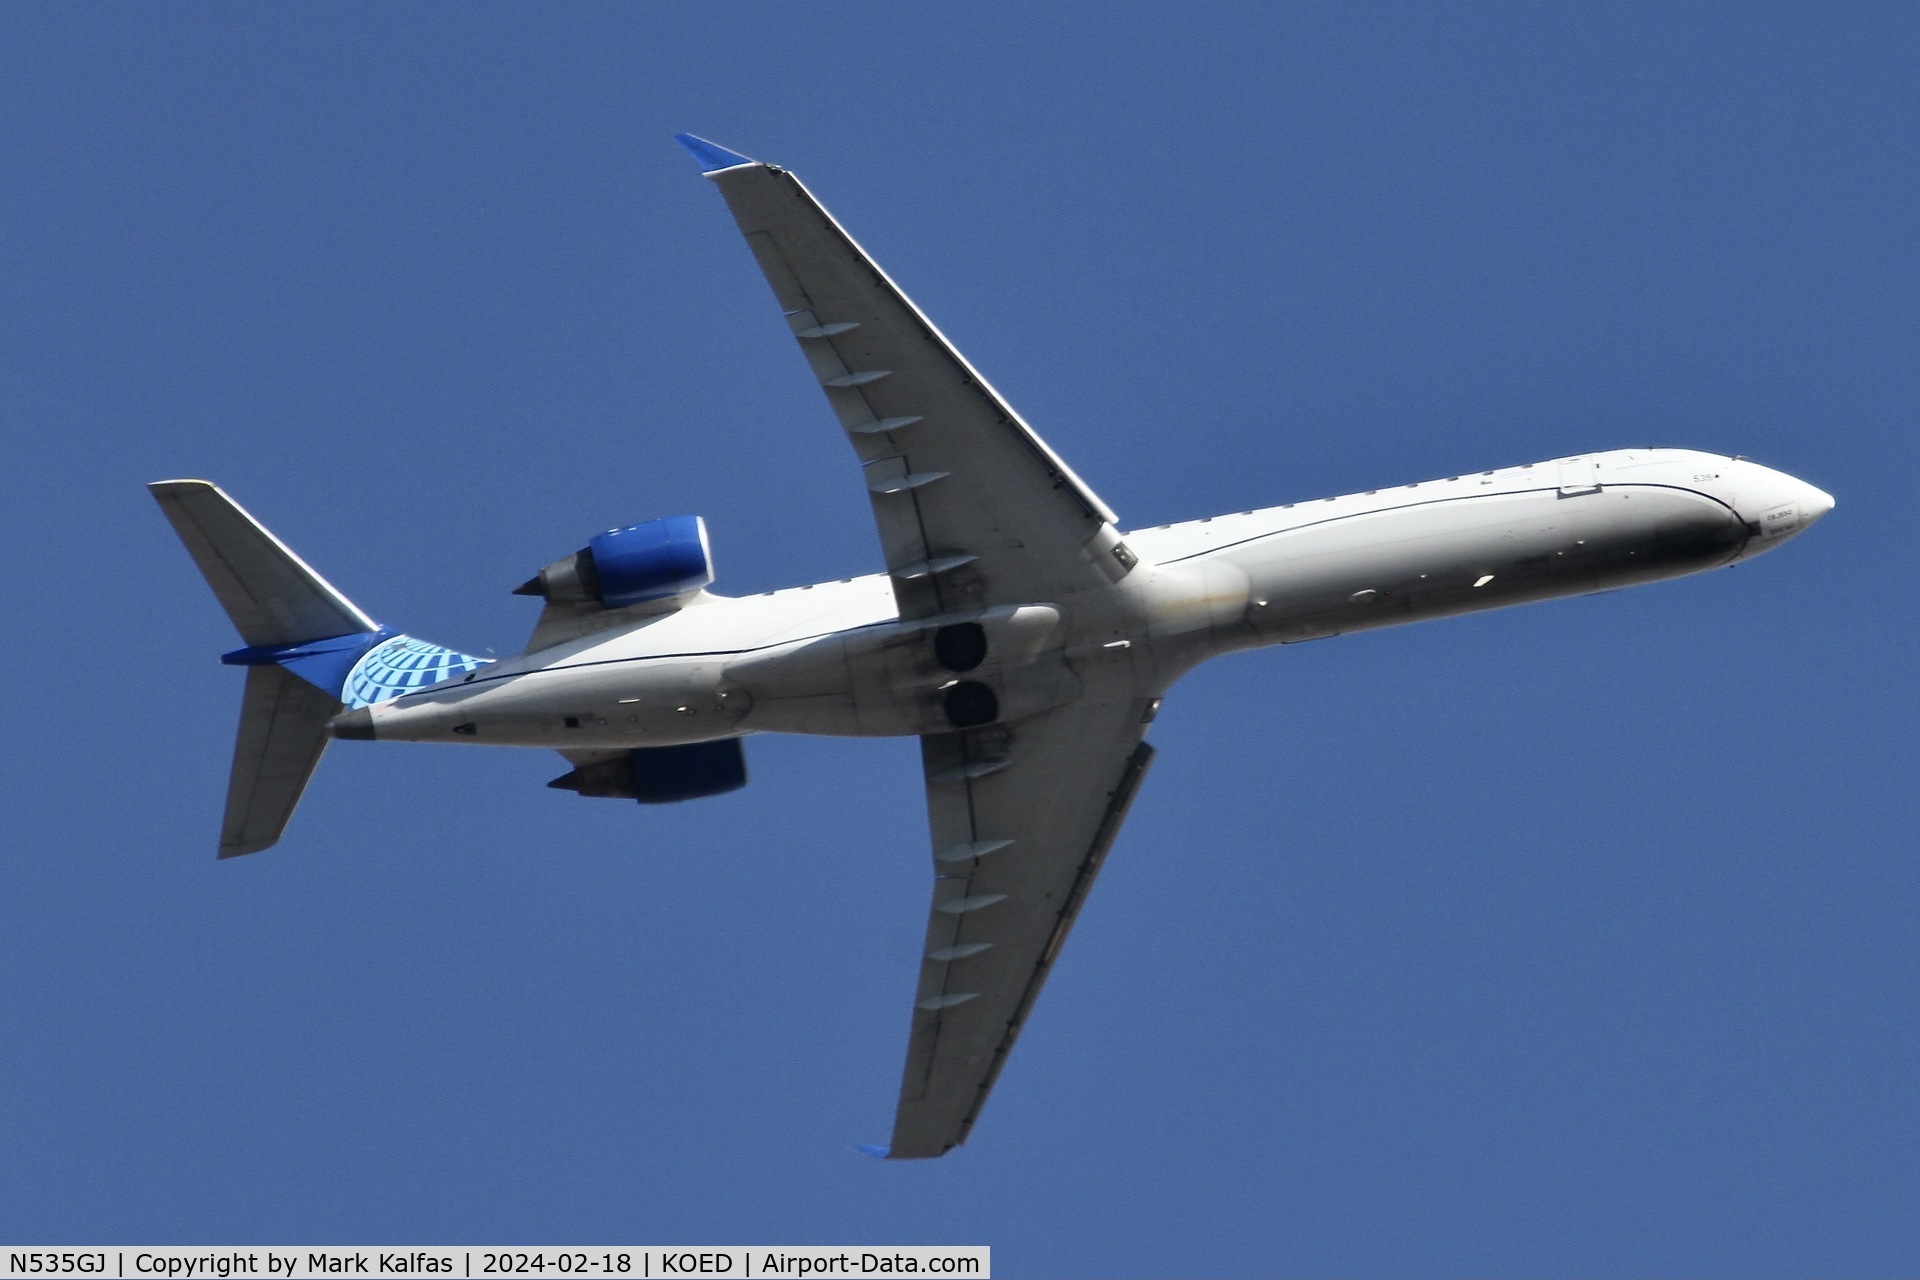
[270, 593]
[283, 730]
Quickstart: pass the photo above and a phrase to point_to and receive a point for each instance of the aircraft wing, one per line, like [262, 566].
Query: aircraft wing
[973, 508]
[1022, 817]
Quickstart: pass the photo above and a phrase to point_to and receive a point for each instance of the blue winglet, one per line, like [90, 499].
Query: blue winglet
[712, 156]
[878, 1153]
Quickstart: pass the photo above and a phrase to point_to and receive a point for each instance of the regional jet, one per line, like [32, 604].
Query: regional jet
[1017, 632]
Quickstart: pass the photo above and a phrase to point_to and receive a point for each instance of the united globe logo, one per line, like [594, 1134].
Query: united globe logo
[401, 665]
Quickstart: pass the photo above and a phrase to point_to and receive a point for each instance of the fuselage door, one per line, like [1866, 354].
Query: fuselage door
[1579, 475]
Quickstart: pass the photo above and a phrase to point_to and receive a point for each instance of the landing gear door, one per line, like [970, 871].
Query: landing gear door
[1579, 475]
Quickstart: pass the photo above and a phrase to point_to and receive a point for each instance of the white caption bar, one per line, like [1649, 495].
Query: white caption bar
[603, 1262]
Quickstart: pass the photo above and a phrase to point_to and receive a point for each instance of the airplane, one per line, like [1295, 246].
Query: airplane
[1017, 631]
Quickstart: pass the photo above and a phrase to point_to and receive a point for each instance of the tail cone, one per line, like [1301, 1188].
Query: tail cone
[356, 725]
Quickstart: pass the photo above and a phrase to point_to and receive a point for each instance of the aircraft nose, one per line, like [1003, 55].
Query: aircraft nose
[1778, 505]
[1814, 503]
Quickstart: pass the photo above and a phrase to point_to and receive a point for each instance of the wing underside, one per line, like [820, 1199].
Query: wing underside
[1022, 817]
[973, 509]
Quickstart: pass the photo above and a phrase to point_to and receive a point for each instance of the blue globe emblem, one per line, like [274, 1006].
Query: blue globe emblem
[401, 665]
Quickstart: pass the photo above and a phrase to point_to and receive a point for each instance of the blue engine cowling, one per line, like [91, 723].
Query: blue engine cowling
[663, 775]
[652, 561]
[641, 562]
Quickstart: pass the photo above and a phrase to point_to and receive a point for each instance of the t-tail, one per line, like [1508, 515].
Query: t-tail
[310, 653]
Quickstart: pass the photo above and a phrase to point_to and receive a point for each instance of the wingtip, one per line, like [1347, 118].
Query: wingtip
[711, 156]
[872, 1149]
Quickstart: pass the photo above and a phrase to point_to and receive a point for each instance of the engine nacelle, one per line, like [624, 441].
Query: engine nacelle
[663, 775]
[641, 562]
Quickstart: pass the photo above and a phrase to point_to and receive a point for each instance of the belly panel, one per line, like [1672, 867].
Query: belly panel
[1388, 567]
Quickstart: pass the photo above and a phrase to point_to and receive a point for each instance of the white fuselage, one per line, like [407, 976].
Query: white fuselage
[834, 658]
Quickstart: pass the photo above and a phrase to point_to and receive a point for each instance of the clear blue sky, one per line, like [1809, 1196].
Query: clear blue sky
[1575, 940]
